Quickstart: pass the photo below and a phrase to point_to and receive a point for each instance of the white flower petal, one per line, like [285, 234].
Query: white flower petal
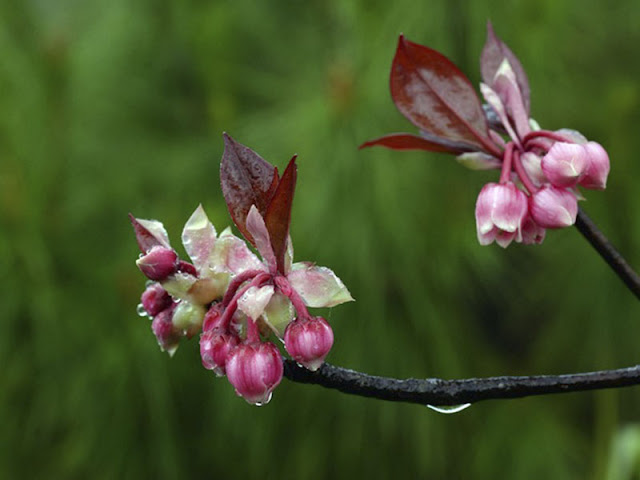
[198, 238]
[318, 286]
[230, 254]
[254, 300]
[178, 285]
[278, 313]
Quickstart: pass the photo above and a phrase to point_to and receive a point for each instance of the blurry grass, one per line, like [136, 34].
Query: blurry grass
[110, 107]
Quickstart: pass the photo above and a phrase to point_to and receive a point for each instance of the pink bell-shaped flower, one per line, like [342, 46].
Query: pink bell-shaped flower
[553, 207]
[564, 164]
[598, 167]
[212, 317]
[162, 327]
[215, 346]
[531, 231]
[309, 341]
[255, 370]
[158, 263]
[155, 299]
[500, 210]
[532, 165]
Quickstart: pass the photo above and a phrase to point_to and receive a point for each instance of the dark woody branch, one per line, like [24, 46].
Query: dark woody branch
[436, 391]
[608, 252]
[439, 392]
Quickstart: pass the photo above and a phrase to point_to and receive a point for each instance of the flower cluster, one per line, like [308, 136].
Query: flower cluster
[234, 298]
[541, 170]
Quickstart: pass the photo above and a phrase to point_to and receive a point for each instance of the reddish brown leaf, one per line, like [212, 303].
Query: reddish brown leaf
[495, 51]
[246, 180]
[436, 96]
[278, 216]
[406, 141]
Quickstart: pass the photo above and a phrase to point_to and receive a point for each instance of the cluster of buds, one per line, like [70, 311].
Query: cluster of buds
[234, 298]
[541, 170]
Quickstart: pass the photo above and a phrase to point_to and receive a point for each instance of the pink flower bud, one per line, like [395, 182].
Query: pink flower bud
[155, 299]
[212, 317]
[186, 267]
[564, 164]
[215, 346]
[158, 263]
[308, 341]
[598, 167]
[532, 232]
[572, 135]
[164, 331]
[532, 164]
[255, 370]
[553, 207]
[500, 209]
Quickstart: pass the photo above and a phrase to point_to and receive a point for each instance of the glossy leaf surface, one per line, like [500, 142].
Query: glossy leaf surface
[406, 141]
[278, 216]
[246, 179]
[436, 96]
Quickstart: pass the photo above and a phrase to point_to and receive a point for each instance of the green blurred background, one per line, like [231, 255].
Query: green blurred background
[114, 106]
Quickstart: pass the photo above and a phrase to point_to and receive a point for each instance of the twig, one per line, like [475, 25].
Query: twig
[439, 392]
[608, 252]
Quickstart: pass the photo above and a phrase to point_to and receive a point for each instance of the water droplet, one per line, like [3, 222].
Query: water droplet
[267, 400]
[449, 409]
[171, 351]
[141, 311]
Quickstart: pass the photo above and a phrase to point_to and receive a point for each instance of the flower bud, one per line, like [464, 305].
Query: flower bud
[212, 317]
[309, 341]
[598, 167]
[532, 232]
[564, 164]
[186, 267]
[188, 317]
[572, 135]
[164, 331]
[500, 209]
[155, 299]
[215, 346]
[255, 370]
[158, 263]
[532, 165]
[553, 207]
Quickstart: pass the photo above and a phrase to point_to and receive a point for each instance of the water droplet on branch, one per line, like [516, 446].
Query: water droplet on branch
[449, 409]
